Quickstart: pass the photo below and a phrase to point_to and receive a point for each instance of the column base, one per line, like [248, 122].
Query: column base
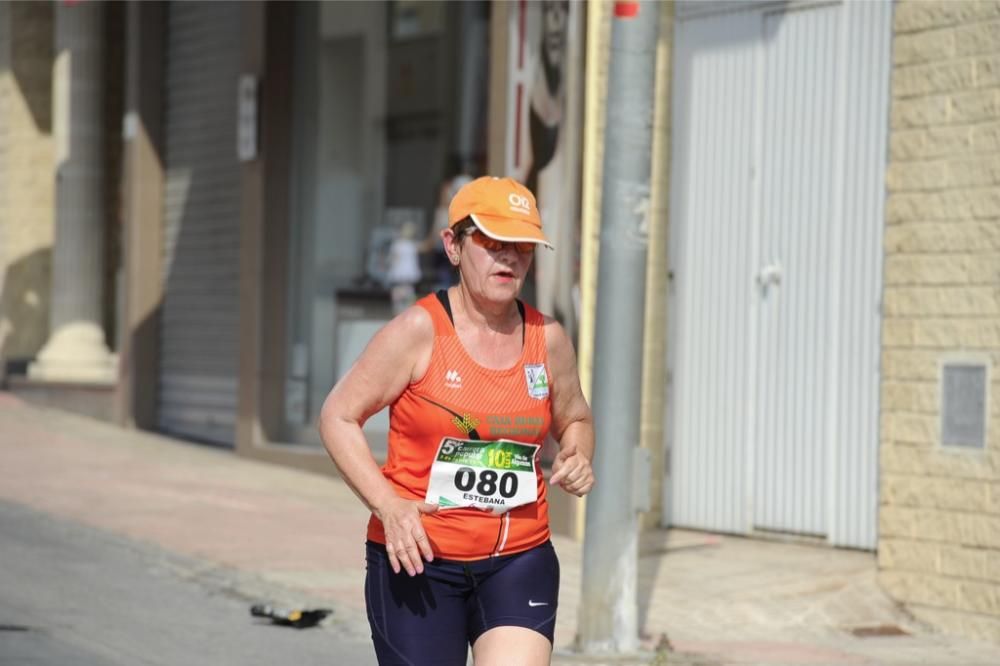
[76, 353]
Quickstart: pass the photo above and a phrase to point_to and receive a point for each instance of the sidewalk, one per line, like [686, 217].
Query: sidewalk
[291, 536]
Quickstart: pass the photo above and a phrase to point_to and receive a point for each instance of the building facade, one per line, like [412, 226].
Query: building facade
[823, 281]
[939, 512]
[26, 200]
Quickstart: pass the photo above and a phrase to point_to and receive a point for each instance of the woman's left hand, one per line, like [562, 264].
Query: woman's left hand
[572, 471]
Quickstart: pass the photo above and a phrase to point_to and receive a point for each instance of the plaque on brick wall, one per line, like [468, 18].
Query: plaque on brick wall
[963, 404]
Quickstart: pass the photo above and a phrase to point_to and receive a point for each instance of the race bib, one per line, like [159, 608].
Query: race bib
[495, 476]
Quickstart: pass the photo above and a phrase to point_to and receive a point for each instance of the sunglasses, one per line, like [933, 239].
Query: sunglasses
[494, 245]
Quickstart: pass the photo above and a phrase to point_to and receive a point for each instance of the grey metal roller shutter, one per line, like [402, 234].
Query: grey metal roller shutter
[200, 317]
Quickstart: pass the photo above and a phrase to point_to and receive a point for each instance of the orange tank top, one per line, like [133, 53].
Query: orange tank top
[457, 397]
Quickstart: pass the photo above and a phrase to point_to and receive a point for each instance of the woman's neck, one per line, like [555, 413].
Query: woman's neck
[498, 317]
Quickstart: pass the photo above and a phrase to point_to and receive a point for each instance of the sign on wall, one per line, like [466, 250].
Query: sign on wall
[246, 120]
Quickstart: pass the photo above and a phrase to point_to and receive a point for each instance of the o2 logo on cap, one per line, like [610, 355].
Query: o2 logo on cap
[519, 203]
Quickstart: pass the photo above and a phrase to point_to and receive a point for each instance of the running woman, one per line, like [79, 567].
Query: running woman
[458, 547]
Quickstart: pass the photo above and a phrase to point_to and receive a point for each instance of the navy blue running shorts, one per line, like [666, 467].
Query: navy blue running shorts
[433, 617]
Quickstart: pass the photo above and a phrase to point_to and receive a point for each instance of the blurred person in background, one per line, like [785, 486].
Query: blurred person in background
[404, 267]
[441, 270]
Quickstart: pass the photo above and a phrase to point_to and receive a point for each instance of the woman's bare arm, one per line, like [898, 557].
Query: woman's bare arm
[397, 355]
[572, 423]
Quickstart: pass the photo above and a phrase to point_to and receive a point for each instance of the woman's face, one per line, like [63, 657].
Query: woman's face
[495, 275]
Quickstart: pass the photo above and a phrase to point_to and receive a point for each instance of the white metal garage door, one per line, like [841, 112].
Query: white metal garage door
[200, 317]
[780, 112]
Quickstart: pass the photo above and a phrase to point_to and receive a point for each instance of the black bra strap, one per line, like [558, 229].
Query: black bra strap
[442, 296]
[524, 326]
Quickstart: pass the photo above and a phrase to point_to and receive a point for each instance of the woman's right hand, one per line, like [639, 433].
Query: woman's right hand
[405, 538]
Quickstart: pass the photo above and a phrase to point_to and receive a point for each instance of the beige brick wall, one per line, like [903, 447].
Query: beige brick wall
[26, 196]
[939, 520]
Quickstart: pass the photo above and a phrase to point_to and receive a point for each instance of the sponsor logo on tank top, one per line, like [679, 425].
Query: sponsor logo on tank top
[466, 423]
[452, 379]
[538, 381]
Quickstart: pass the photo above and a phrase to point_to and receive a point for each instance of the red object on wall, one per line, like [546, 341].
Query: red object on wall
[517, 127]
[626, 9]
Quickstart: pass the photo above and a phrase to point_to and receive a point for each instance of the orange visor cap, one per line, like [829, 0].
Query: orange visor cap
[502, 208]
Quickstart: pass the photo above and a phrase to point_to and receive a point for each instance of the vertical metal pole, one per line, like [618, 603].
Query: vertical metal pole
[608, 613]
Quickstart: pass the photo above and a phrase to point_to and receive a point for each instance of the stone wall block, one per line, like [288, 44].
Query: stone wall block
[984, 269]
[909, 427]
[920, 112]
[933, 78]
[896, 522]
[942, 205]
[968, 495]
[943, 141]
[909, 555]
[982, 10]
[959, 622]
[985, 204]
[979, 597]
[976, 38]
[980, 530]
[959, 465]
[901, 491]
[974, 171]
[934, 525]
[908, 176]
[900, 458]
[927, 237]
[963, 562]
[992, 566]
[906, 364]
[898, 332]
[921, 588]
[908, 144]
[993, 504]
[985, 137]
[950, 205]
[956, 333]
[921, 397]
[930, 460]
[971, 107]
[987, 72]
[927, 269]
[925, 46]
[918, 15]
[902, 206]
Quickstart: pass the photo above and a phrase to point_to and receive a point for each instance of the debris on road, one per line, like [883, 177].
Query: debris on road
[299, 618]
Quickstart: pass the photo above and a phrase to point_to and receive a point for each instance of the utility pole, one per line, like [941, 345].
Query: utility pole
[608, 617]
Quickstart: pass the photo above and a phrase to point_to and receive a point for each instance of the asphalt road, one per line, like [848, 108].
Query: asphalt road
[74, 596]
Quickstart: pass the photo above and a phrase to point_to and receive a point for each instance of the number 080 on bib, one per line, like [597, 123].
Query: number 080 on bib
[492, 475]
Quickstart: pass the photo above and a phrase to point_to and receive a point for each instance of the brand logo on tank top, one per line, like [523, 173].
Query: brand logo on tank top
[538, 381]
[452, 379]
[466, 423]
